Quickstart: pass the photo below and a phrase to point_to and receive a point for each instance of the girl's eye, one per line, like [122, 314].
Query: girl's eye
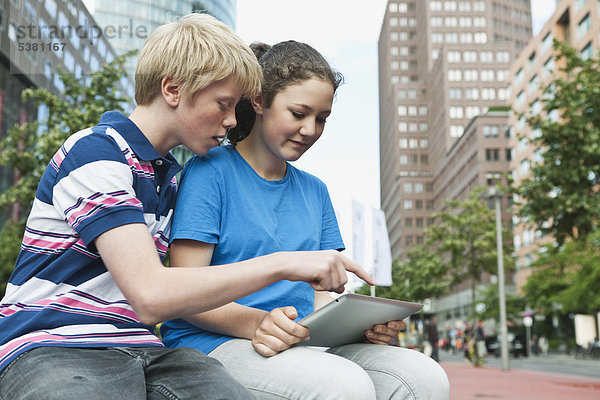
[297, 114]
[322, 120]
[223, 106]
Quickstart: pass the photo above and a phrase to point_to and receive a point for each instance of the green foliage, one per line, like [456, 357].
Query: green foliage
[420, 275]
[465, 236]
[10, 238]
[489, 296]
[460, 246]
[28, 148]
[567, 277]
[562, 196]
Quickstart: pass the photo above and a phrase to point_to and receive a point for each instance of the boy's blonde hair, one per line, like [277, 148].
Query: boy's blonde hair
[195, 51]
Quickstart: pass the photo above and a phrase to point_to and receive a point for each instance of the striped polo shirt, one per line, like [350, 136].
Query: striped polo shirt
[60, 293]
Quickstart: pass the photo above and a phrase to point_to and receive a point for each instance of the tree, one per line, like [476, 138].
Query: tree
[419, 275]
[460, 246]
[28, 147]
[567, 278]
[490, 297]
[465, 238]
[562, 196]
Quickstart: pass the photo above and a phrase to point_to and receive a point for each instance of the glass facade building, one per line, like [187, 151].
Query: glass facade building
[138, 18]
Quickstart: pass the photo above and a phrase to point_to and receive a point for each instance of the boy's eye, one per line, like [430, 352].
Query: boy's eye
[297, 114]
[223, 106]
[321, 120]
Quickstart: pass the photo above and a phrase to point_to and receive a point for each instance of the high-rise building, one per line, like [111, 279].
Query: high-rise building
[441, 64]
[36, 39]
[576, 23]
[137, 18]
[443, 87]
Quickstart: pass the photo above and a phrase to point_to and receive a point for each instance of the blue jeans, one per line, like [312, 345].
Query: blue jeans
[117, 373]
[351, 372]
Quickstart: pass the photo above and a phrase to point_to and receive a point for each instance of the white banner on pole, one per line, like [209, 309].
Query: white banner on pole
[358, 232]
[382, 253]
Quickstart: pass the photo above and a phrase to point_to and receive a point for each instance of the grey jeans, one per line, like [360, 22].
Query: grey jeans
[351, 372]
[117, 373]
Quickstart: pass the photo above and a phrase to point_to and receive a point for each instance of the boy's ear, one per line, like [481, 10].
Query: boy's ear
[170, 91]
[257, 104]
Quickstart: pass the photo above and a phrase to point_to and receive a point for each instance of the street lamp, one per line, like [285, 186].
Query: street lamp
[497, 195]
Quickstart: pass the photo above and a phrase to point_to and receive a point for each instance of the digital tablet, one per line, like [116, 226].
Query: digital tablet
[346, 319]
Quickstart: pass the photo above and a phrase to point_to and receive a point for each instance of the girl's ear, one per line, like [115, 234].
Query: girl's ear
[170, 91]
[257, 104]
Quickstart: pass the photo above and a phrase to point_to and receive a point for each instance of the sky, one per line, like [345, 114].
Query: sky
[346, 157]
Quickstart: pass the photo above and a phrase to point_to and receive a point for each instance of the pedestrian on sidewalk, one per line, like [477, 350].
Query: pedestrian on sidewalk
[433, 337]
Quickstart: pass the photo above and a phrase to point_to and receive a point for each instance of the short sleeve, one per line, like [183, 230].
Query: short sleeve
[94, 189]
[199, 203]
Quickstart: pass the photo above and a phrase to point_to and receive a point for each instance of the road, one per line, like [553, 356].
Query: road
[552, 363]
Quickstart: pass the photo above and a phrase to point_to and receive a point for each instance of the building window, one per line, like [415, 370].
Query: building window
[472, 93]
[455, 93]
[493, 178]
[470, 56]
[435, 5]
[450, 5]
[490, 130]
[454, 75]
[419, 204]
[492, 154]
[509, 154]
[408, 187]
[451, 37]
[466, 37]
[480, 37]
[546, 43]
[584, 26]
[451, 22]
[471, 111]
[471, 75]
[587, 52]
[408, 204]
[408, 222]
[520, 102]
[455, 112]
[51, 8]
[453, 56]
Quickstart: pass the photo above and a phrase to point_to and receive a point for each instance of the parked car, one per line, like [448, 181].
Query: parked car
[516, 345]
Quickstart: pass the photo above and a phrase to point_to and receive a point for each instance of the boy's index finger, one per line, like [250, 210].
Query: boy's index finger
[358, 271]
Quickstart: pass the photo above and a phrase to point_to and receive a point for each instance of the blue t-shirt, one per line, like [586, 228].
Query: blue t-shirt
[223, 201]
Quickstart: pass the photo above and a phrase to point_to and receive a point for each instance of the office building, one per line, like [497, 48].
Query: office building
[36, 39]
[576, 23]
[137, 18]
[443, 87]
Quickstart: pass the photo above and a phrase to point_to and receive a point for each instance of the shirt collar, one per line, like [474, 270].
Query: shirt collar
[133, 135]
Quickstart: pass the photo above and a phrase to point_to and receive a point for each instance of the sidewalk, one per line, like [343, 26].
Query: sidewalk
[467, 382]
